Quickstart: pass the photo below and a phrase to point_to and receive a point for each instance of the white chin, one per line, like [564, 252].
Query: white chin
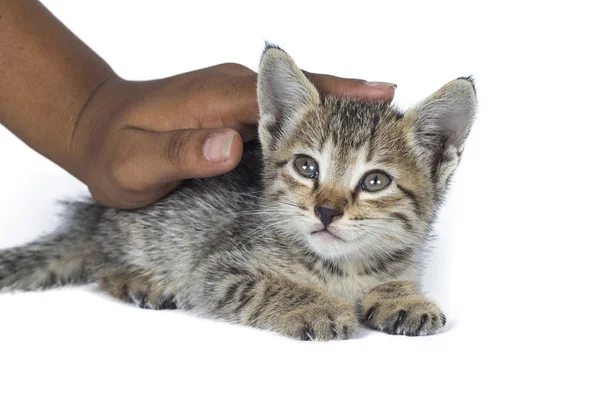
[328, 245]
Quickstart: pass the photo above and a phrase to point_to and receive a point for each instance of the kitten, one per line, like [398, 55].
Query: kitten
[319, 228]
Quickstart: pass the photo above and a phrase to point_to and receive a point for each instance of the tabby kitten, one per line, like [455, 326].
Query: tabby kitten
[319, 228]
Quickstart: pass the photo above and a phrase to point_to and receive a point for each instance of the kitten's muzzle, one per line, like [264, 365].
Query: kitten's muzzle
[327, 212]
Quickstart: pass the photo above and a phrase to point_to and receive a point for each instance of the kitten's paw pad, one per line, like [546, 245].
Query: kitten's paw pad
[409, 316]
[320, 322]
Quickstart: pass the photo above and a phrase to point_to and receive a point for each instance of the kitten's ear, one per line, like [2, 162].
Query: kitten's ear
[283, 92]
[441, 125]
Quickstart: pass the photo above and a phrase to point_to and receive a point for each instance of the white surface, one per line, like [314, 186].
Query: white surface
[516, 265]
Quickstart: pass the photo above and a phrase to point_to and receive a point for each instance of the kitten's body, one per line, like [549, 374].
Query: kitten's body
[246, 247]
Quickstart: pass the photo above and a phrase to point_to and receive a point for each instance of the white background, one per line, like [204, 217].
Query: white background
[515, 266]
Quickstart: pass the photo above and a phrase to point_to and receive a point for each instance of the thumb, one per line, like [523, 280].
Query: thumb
[183, 154]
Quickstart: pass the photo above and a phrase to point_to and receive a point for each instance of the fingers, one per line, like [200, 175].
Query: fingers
[225, 96]
[338, 86]
[167, 157]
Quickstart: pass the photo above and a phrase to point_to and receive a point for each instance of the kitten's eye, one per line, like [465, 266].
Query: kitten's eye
[306, 166]
[375, 181]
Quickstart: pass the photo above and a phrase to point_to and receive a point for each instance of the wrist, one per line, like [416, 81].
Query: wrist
[78, 98]
[47, 77]
[95, 117]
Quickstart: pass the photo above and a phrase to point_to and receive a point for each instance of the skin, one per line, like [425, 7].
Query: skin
[130, 142]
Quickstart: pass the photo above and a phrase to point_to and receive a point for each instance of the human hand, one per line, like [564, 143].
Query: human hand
[137, 141]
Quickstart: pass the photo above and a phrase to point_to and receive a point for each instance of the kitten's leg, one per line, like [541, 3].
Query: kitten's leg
[138, 288]
[399, 308]
[278, 304]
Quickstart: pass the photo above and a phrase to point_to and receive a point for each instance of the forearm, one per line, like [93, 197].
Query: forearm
[47, 77]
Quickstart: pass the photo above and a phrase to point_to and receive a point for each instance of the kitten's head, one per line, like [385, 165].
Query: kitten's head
[353, 178]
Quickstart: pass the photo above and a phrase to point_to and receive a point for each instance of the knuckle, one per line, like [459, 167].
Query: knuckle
[230, 78]
[235, 67]
[199, 84]
[178, 147]
[203, 88]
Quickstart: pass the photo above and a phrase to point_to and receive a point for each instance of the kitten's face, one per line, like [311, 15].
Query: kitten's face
[347, 181]
[355, 179]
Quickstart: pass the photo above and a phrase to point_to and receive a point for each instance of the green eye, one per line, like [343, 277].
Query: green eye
[375, 181]
[307, 166]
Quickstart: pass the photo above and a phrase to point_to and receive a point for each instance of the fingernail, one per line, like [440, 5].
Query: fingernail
[381, 85]
[216, 147]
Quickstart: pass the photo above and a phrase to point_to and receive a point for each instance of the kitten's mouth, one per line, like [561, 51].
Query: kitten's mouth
[325, 234]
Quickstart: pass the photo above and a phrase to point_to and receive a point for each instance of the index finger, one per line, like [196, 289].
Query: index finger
[338, 86]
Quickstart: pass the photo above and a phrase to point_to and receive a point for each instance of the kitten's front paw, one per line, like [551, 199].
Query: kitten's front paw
[406, 314]
[409, 316]
[320, 321]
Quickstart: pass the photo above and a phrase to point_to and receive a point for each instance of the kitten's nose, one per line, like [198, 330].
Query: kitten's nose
[327, 212]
